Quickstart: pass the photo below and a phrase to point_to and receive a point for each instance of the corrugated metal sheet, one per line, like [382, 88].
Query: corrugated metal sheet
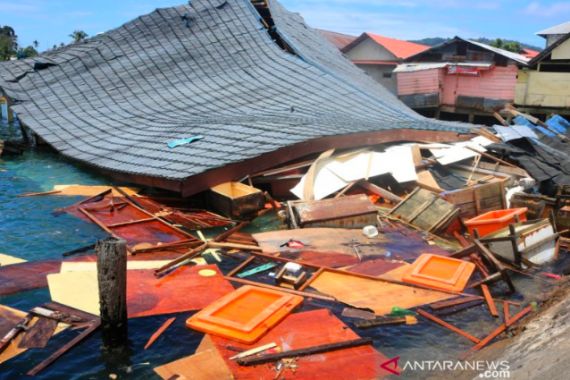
[497, 83]
[419, 82]
[208, 69]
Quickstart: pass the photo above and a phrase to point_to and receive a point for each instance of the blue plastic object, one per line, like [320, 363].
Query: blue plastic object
[558, 124]
[189, 140]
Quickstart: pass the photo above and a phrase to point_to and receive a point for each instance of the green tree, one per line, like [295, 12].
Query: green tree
[8, 42]
[36, 44]
[78, 35]
[26, 52]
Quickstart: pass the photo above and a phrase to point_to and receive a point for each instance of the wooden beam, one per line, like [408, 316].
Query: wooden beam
[448, 326]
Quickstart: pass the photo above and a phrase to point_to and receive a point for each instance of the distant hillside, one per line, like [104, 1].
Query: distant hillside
[432, 41]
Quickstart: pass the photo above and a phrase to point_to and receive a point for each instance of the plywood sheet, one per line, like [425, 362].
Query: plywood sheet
[204, 365]
[334, 247]
[89, 191]
[307, 329]
[16, 278]
[182, 290]
[92, 265]
[8, 260]
[377, 295]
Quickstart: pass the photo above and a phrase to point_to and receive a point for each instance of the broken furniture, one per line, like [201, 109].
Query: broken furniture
[524, 243]
[353, 211]
[291, 274]
[236, 200]
[425, 210]
[492, 221]
[246, 314]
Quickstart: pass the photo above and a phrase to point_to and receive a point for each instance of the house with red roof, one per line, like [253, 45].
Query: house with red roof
[378, 56]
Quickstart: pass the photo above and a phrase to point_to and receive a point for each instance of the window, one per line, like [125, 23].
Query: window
[387, 75]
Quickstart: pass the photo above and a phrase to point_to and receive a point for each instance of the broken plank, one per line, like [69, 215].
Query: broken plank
[490, 301]
[453, 302]
[485, 341]
[448, 326]
[159, 332]
[38, 335]
[66, 347]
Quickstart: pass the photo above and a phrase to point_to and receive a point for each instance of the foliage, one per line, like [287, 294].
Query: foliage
[26, 52]
[8, 42]
[78, 35]
[509, 45]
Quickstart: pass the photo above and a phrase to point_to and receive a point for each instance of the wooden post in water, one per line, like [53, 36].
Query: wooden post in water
[112, 278]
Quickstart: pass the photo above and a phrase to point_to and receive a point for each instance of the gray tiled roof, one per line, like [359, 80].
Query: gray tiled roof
[115, 100]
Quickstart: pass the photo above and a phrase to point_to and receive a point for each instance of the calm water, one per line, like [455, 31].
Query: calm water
[30, 231]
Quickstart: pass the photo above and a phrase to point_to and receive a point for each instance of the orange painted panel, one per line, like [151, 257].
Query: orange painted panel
[303, 330]
[440, 272]
[246, 314]
[492, 221]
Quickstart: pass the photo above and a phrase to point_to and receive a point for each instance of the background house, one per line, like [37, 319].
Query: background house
[339, 40]
[544, 87]
[459, 80]
[378, 56]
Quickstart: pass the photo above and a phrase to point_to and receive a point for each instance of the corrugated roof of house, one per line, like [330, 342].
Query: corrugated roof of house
[399, 48]
[529, 53]
[209, 69]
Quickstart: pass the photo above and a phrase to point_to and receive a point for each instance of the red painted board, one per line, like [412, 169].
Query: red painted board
[182, 290]
[26, 276]
[307, 329]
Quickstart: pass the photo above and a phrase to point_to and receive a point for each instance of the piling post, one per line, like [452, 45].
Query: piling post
[112, 278]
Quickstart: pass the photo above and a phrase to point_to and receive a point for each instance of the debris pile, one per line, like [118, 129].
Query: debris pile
[310, 258]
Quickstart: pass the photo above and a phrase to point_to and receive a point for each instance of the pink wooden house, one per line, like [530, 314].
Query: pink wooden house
[459, 76]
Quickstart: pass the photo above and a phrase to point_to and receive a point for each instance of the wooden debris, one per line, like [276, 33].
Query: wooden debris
[453, 302]
[485, 341]
[304, 352]
[253, 351]
[66, 347]
[351, 312]
[159, 332]
[448, 326]
[38, 335]
[489, 300]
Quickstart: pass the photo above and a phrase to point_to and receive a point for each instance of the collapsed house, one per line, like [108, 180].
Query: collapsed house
[255, 91]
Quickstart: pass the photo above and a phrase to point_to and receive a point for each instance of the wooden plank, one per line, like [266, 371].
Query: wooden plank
[159, 332]
[448, 326]
[453, 302]
[499, 330]
[489, 299]
[39, 334]
[62, 350]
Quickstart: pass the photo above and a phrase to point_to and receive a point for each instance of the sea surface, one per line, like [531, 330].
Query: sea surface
[30, 230]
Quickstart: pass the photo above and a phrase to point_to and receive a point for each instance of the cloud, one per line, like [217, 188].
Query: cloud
[389, 24]
[536, 8]
[20, 7]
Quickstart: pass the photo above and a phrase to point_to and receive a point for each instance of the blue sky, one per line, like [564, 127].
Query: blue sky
[51, 21]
